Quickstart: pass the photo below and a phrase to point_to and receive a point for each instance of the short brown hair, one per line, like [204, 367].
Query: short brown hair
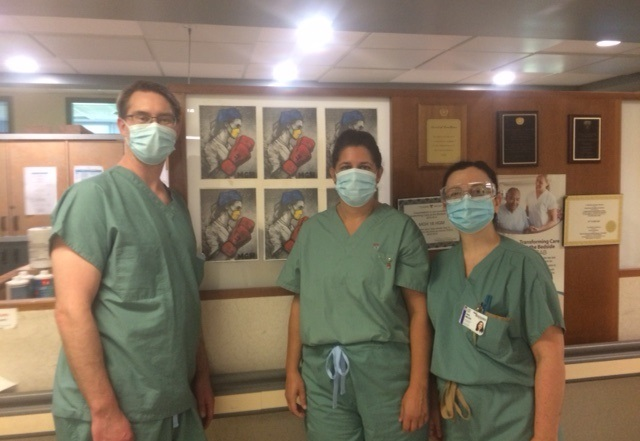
[146, 86]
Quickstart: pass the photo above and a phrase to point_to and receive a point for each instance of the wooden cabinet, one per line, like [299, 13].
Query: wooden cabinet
[62, 152]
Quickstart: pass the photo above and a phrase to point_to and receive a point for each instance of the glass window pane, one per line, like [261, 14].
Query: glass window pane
[95, 115]
[5, 122]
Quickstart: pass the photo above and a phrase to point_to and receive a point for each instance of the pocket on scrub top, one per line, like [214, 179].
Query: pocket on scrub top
[495, 339]
[140, 270]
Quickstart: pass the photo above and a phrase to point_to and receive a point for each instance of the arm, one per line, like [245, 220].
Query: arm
[414, 409]
[294, 388]
[77, 283]
[201, 385]
[548, 351]
[553, 220]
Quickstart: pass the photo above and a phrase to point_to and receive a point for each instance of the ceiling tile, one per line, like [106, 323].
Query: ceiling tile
[552, 63]
[111, 67]
[199, 32]
[433, 76]
[201, 52]
[19, 44]
[589, 47]
[411, 41]
[360, 75]
[385, 58]
[567, 79]
[97, 48]
[506, 44]
[619, 65]
[83, 26]
[458, 60]
[202, 70]
[265, 72]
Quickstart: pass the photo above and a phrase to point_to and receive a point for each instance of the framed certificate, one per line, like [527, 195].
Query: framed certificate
[517, 138]
[592, 220]
[584, 138]
[431, 218]
[442, 135]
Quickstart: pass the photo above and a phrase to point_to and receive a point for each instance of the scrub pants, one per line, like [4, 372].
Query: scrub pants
[499, 412]
[189, 428]
[369, 409]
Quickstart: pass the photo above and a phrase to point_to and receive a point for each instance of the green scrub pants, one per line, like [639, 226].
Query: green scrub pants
[188, 427]
[377, 378]
[499, 412]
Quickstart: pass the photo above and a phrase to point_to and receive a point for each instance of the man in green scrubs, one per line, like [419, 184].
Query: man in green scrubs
[126, 270]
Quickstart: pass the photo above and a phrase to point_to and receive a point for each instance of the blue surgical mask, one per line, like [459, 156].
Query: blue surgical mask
[151, 143]
[355, 186]
[470, 215]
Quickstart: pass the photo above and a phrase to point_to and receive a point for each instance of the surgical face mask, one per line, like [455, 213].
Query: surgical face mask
[355, 186]
[151, 143]
[470, 215]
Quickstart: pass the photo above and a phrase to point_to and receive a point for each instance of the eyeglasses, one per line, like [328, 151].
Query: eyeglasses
[165, 119]
[475, 190]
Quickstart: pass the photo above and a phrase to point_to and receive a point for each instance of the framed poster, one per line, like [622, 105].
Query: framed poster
[584, 138]
[592, 220]
[442, 135]
[256, 170]
[431, 218]
[517, 138]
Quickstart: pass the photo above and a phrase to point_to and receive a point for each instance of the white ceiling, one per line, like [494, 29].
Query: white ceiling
[458, 43]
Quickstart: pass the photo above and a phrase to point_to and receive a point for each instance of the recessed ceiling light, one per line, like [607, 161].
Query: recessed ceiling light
[21, 64]
[285, 72]
[504, 78]
[607, 43]
[314, 33]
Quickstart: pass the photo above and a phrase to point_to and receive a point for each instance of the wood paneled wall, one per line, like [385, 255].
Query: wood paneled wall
[591, 273]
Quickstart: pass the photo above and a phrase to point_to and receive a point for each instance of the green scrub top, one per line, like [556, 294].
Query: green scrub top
[524, 304]
[349, 286]
[147, 308]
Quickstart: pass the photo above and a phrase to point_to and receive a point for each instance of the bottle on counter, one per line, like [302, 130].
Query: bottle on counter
[18, 288]
[27, 276]
[43, 284]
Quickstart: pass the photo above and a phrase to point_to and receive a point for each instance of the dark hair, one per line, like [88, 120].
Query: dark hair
[461, 165]
[356, 138]
[146, 86]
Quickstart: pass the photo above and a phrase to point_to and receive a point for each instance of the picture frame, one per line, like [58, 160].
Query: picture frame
[584, 138]
[517, 138]
[442, 134]
[592, 220]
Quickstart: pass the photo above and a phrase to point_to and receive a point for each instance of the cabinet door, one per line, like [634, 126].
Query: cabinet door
[105, 154]
[4, 193]
[33, 154]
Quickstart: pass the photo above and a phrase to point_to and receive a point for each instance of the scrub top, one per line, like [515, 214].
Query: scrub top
[147, 307]
[524, 304]
[538, 207]
[349, 285]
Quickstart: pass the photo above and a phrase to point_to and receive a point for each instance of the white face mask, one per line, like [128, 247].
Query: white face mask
[151, 143]
[355, 186]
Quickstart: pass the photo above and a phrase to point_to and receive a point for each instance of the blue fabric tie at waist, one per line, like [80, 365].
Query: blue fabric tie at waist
[337, 366]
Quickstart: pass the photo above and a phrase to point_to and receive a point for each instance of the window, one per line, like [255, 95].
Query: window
[94, 114]
[5, 115]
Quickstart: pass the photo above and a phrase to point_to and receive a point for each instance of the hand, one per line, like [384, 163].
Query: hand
[111, 426]
[414, 408]
[296, 394]
[201, 387]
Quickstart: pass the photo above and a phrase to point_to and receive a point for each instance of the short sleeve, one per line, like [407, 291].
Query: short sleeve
[412, 270]
[80, 220]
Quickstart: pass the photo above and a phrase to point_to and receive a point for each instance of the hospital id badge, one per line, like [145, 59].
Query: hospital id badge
[473, 320]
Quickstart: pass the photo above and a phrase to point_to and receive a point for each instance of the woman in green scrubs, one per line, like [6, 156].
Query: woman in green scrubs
[498, 351]
[358, 347]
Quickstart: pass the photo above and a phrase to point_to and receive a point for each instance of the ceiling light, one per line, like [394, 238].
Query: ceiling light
[504, 78]
[21, 64]
[285, 72]
[314, 33]
[607, 43]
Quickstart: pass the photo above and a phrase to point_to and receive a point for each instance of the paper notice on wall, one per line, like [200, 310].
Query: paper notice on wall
[82, 172]
[40, 190]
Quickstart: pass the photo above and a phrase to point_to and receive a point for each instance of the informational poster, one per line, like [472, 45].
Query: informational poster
[431, 218]
[82, 172]
[40, 190]
[532, 213]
